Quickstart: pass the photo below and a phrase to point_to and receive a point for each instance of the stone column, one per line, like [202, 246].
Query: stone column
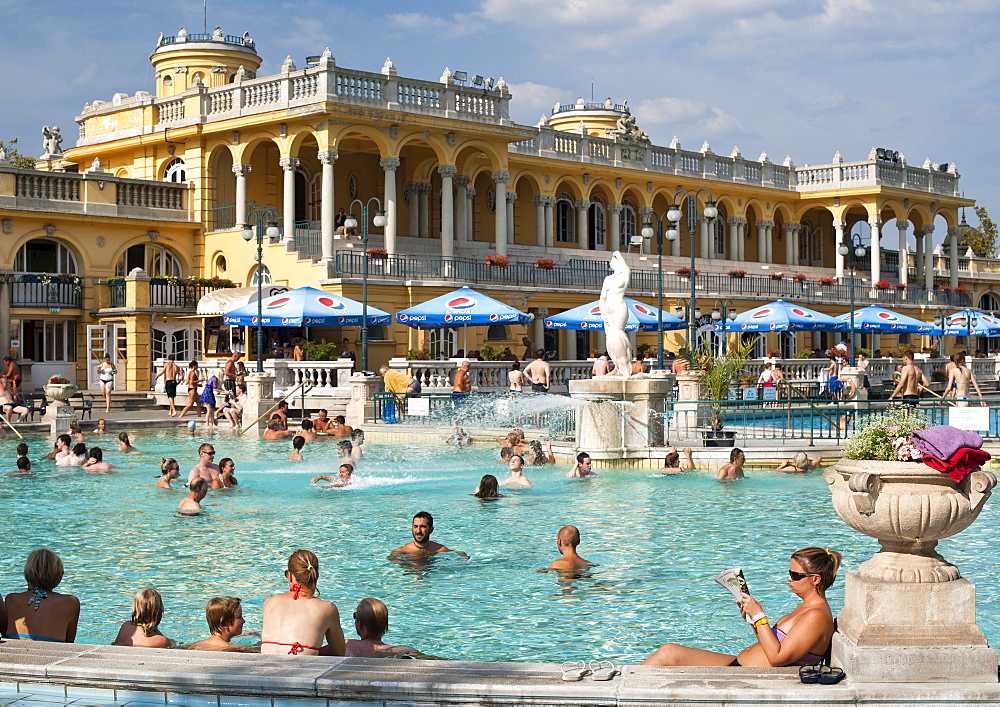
[929, 257]
[550, 238]
[581, 224]
[470, 221]
[424, 191]
[242, 171]
[500, 211]
[904, 257]
[138, 330]
[539, 202]
[570, 345]
[616, 227]
[764, 241]
[742, 226]
[447, 171]
[688, 419]
[461, 204]
[954, 234]
[875, 250]
[260, 397]
[511, 198]
[327, 158]
[706, 243]
[288, 167]
[389, 166]
[538, 331]
[734, 238]
[361, 406]
[412, 191]
[918, 255]
[838, 227]
[789, 229]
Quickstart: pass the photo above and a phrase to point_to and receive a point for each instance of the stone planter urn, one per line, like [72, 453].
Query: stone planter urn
[58, 412]
[908, 614]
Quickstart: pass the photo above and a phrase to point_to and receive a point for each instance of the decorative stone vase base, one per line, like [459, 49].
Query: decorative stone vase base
[894, 632]
[621, 414]
[928, 566]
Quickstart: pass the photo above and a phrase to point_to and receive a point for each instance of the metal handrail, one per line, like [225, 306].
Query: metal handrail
[274, 407]
[8, 423]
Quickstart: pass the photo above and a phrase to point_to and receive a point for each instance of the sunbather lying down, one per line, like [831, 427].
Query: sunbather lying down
[799, 638]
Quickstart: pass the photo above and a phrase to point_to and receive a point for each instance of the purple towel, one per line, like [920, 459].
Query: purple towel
[944, 440]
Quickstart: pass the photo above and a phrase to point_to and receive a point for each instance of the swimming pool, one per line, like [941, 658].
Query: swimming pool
[659, 542]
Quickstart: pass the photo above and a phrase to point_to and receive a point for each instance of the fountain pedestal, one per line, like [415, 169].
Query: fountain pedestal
[623, 414]
[260, 397]
[59, 413]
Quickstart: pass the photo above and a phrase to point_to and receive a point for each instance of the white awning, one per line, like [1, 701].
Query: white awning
[218, 302]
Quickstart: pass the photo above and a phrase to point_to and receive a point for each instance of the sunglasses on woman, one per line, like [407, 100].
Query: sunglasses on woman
[796, 576]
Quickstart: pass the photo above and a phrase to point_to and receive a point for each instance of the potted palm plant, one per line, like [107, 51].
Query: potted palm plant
[721, 370]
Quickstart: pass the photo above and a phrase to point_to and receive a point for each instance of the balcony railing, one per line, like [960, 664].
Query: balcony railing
[117, 295]
[41, 294]
[589, 275]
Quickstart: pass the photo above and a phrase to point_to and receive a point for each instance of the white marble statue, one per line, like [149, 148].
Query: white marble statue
[614, 312]
[51, 139]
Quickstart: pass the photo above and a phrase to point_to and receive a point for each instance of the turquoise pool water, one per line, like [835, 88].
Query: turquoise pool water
[659, 542]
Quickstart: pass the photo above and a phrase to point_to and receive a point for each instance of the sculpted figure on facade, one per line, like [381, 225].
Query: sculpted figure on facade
[626, 130]
[614, 312]
[51, 139]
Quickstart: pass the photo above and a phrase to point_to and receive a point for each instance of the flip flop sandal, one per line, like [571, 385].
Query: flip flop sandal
[809, 674]
[603, 670]
[574, 671]
[830, 676]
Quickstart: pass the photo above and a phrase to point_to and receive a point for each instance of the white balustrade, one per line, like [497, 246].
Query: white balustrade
[261, 94]
[487, 376]
[172, 111]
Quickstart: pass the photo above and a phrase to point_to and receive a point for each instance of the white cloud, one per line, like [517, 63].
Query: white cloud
[699, 119]
[529, 100]
[454, 27]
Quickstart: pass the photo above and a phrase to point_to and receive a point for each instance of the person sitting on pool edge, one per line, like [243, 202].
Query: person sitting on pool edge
[799, 464]
[673, 464]
[567, 540]
[422, 546]
[40, 613]
[734, 469]
[298, 442]
[142, 629]
[297, 621]
[799, 638]
[225, 621]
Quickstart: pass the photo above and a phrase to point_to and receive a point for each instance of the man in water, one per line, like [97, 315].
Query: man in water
[274, 430]
[800, 463]
[517, 479]
[734, 469]
[346, 472]
[308, 432]
[171, 373]
[190, 505]
[206, 468]
[322, 423]
[910, 380]
[539, 372]
[959, 377]
[584, 467]
[298, 442]
[422, 545]
[463, 382]
[567, 541]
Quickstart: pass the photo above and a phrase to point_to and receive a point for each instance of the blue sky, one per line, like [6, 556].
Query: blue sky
[804, 78]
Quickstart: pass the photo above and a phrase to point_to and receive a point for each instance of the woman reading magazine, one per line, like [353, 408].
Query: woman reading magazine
[798, 638]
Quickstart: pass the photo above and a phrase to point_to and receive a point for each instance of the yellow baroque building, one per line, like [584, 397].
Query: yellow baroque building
[160, 188]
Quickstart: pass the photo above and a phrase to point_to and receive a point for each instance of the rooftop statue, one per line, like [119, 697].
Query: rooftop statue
[51, 139]
[626, 130]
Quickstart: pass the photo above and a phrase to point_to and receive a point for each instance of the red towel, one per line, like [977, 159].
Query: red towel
[959, 464]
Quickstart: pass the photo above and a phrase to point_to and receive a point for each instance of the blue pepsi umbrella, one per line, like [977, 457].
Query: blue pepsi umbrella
[305, 306]
[957, 324]
[588, 317]
[782, 316]
[462, 307]
[875, 318]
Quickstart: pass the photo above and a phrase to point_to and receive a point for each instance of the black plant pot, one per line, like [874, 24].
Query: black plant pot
[719, 438]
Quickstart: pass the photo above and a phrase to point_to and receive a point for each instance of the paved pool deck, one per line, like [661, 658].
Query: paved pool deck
[34, 672]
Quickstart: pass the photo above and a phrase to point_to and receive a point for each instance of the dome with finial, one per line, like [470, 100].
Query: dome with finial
[186, 60]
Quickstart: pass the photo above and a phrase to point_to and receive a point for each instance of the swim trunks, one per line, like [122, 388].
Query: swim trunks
[171, 388]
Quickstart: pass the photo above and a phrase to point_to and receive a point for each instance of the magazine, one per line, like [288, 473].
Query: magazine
[732, 580]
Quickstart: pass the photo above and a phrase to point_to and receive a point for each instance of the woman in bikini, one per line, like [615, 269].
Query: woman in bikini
[40, 614]
[106, 377]
[798, 638]
[192, 385]
[296, 621]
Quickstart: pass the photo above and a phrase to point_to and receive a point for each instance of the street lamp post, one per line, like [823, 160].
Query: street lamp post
[724, 311]
[351, 223]
[685, 309]
[249, 232]
[941, 320]
[673, 216]
[854, 251]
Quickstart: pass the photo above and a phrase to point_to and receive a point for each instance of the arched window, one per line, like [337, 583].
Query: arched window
[45, 255]
[596, 228]
[156, 260]
[497, 332]
[168, 81]
[628, 222]
[565, 221]
[175, 171]
[376, 332]
[265, 276]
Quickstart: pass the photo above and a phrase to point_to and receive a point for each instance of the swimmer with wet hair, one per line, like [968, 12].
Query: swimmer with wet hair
[225, 621]
[77, 456]
[674, 464]
[142, 629]
[345, 450]
[297, 621]
[345, 478]
[298, 442]
[95, 463]
[190, 505]
[488, 488]
[169, 470]
[124, 445]
[799, 464]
